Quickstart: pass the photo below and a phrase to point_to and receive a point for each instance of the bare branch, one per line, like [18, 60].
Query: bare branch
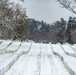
[68, 4]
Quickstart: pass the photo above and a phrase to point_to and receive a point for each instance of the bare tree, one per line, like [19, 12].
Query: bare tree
[20, 22]
[69, 4]
[12, 14]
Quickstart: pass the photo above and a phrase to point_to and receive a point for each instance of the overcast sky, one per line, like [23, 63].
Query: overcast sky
[47, 10]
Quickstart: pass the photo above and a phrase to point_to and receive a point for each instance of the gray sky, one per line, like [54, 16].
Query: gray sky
[47, 10]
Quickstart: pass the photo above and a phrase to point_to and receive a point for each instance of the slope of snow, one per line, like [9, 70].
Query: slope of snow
[37, 59]
[4, 45]
[13, 47]
[69, 61]
[51, 64]
[27, 64]
[74, 47]
[24, 48]
[5, 64]
[57, 48]
[69, 50]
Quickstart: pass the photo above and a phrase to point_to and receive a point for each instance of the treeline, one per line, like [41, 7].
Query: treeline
[60, 31]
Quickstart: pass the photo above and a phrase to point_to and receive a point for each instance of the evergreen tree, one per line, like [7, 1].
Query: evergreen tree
[47, 28]
[63, 23]
[68, 31]
[74, 23]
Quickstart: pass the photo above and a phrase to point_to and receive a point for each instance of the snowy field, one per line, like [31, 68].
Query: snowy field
[22, 58]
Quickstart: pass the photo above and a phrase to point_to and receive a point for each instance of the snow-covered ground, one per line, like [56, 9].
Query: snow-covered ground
[13, 47]
[22, 58]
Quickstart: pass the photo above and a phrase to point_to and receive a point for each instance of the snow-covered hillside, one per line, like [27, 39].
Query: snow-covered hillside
[23, 58]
